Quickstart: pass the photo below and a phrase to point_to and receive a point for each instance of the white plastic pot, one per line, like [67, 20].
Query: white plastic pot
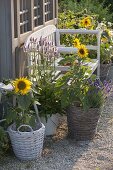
[51, 124]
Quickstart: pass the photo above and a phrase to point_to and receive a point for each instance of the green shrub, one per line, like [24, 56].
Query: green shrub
[4, 142]
[91, 6]
[70, 19]
[108, 3]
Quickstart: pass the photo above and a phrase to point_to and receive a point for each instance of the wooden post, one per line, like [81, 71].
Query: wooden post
[6, 60]
[10, 33]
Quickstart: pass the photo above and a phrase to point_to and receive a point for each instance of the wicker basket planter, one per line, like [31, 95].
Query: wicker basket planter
[27, 145]
[104, 71]
[82, 125]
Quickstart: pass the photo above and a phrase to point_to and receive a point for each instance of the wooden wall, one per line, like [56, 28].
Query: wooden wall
[19, 19]
[5, 40]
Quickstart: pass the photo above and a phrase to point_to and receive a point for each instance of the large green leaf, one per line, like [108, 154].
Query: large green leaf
[24, 101]
[11, 116]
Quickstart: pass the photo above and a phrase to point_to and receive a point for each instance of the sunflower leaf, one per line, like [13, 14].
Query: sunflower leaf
[24, 101]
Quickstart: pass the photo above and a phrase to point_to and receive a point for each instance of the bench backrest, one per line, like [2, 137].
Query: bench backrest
[48, 31]
[53, 34]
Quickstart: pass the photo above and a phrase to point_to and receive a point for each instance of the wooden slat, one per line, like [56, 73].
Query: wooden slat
[18, 19]
[23, 12]
[53, 6]
[44, 32]
[23, 23]
[92, 64]
[13, 36]
[20, 62]
[78, 31]
[32, 15]
[6, 64]
[73, 49]
[98, 54]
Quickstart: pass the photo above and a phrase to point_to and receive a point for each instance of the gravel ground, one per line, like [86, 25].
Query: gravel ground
[61, 153]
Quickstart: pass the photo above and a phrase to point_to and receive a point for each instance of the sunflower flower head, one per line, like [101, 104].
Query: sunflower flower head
[76, 42]
[22, 85]
[82, 51]
[86, 22]
[108, 32]
[104, 39]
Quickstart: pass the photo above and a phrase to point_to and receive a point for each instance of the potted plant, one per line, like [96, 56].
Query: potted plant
[82, 98]
[43, 73]
[26, 131]
[50, 105]
[83, 115]
[106, 51]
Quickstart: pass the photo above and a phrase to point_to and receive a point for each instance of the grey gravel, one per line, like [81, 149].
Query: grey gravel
[61, 153]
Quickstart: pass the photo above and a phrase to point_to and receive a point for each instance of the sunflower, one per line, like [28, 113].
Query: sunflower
[76, 42]
[22, 85]
[86, 22]
[104, 39]
[108, 32]
[82, 51]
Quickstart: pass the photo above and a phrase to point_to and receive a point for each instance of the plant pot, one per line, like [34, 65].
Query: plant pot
[27, 145]
[104, 71]
[51, 124]
[81, 124]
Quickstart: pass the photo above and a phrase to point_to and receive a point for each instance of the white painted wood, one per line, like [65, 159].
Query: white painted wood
[57, 38]
[98, 54]
[73, 49]
[78, 31]
[92, 64]
[44, 32]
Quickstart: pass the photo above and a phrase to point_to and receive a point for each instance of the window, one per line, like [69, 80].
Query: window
[37, 13]
[24, 19]
[29, 14]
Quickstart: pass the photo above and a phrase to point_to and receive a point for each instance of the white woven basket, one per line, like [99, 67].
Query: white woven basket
[27, 145]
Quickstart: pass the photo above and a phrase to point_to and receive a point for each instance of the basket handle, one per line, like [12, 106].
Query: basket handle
[36, 110]
[18, 129]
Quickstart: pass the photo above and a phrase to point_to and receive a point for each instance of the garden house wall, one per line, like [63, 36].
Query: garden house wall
[19, 18]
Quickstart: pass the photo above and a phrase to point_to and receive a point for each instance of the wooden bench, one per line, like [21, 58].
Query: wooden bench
[53, 34]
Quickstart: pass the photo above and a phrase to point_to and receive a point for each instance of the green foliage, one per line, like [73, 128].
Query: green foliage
[108, 3]
[43, 74]
[89, 6]
[69, 19]
[106, 51]
[4, 142]
[94, 97]
[75, 87]
[72, 86]
[50, 102]
[17, 107]
[24, 101]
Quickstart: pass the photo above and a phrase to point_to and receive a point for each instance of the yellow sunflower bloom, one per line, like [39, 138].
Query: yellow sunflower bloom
[108, 32]
[104, 40]
[22, 85]
[76, 42]
[86, 22]
[82, 51]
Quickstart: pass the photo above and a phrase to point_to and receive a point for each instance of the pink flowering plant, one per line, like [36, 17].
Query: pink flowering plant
[42, 71]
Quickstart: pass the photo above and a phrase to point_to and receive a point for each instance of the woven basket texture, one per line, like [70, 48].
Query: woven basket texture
[27, 145]
[81, 124]
[104, 71]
